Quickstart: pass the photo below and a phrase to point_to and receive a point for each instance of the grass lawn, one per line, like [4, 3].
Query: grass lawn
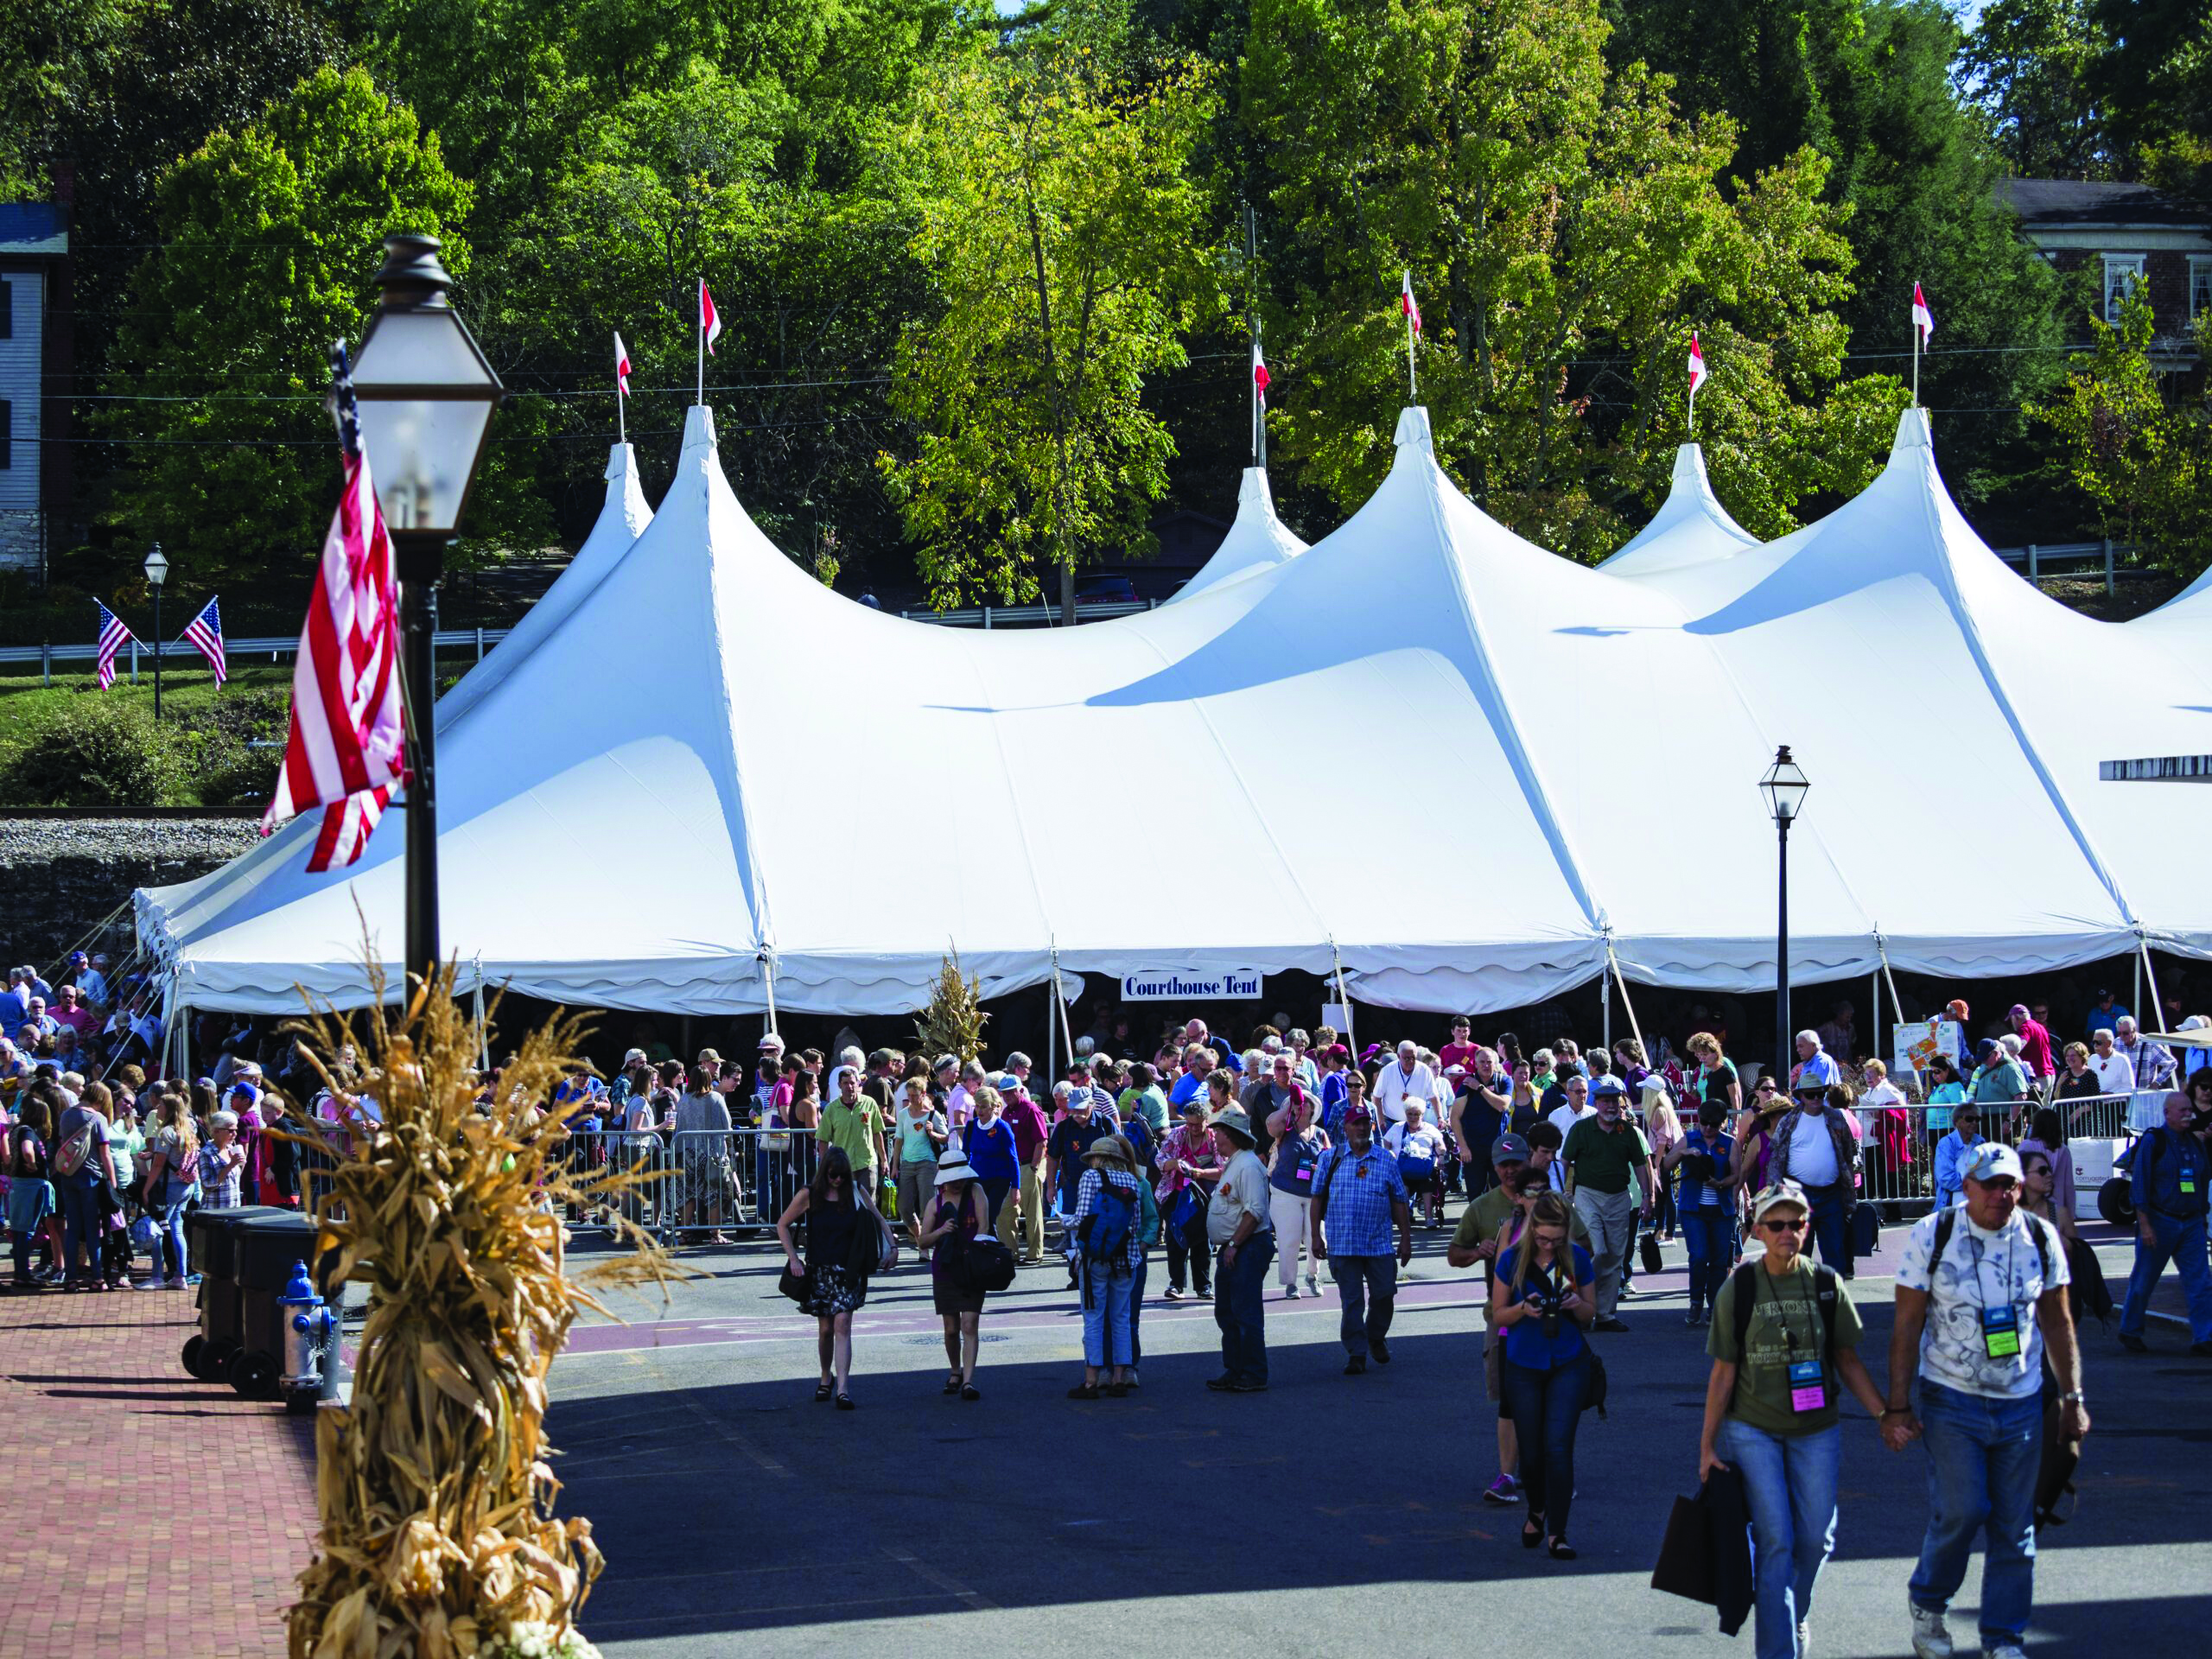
[192, 707]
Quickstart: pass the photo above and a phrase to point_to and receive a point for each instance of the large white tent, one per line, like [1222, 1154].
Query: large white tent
[1423, 753]
[1691, 526]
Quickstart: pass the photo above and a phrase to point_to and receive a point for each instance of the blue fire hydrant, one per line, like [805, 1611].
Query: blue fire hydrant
[310, 1340]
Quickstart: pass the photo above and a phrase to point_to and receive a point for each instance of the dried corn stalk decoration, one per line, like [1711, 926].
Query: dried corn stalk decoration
[953, 1021]
[435, 1490]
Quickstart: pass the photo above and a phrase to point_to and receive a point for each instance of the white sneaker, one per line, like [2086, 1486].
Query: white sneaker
[1931, 1638]
[1290, 1293]
[2004, 1651]
[1312, 1285]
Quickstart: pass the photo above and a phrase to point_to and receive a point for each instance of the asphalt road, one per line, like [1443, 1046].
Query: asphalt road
[1327, 1515]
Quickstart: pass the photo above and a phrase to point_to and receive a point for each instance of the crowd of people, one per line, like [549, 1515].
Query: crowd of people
[1269, 1162]
[1291, 1154]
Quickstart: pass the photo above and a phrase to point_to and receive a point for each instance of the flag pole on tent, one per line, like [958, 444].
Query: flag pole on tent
[710, 328]
[1923, 325]
[1413, 331]
[1252, 321]
[621, 390]
[1697, 379]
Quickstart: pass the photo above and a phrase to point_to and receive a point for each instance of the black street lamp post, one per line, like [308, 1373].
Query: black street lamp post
[1784, 786]
[426, 394]
[157, 572]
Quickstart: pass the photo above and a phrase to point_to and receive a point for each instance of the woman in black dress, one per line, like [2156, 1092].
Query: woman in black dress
[841, 1234]
[960, 1210]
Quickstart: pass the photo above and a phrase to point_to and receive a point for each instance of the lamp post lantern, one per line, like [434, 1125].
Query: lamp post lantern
[1784, 786]
[157, 572]
[425, 394]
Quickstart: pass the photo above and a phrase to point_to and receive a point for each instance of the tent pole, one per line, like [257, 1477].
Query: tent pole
[2136, 1000]
[1606, 1006]
[768, 979]
[1344, 999]
[1060, 1003]
[483, 1031]
[2155, 1022]
[1897, 1002]
[1628, 1003]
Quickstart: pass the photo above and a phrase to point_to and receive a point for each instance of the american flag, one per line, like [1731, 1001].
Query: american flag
[205, 633]
[347, 746]
[113, 637]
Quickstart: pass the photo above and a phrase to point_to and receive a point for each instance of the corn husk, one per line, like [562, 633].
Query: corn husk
[954, 1020]
[435, 1487]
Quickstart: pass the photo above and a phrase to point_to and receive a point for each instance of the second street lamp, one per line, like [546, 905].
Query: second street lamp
[1784, 786]
[157, 572]
[426, 394]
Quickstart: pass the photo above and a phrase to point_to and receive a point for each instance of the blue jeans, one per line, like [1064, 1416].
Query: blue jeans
[1106, 1317]
[1368, 1285]
[2182, 1243]
[1546, 1406]
[1831, 1231]
[168, 1237]
[1237, 1310]
[1789, 1482]
[1709, 1235]
[1983, 1454]
[81, 1224]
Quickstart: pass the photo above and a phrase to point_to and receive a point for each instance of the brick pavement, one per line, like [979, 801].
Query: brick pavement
[144, 1512]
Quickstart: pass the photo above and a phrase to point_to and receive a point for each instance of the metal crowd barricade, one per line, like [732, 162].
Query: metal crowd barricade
[1897, 1143]
[728, 1180]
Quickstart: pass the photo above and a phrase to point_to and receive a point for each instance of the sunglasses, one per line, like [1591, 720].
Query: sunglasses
[1797, 1226]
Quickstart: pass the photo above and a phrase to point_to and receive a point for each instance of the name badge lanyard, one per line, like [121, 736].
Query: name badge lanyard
[2001, 1326]
[1808, 1382]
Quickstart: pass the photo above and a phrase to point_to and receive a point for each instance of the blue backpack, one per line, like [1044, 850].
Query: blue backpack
[1110, 1226]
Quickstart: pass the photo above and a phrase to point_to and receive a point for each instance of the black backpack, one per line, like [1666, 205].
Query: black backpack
[1947, 1222]
[1824, 1295]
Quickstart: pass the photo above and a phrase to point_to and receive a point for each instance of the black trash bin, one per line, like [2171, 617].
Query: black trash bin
[210, 1248]
[265, 1248]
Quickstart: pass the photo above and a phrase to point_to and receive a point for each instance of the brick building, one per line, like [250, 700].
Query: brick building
[2127, 234]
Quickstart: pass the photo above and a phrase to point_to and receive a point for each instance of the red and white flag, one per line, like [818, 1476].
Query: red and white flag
[1697, 365]
[1924, 320]
[709, 319]
[347, 746]
[621, 367]
[1260, 376]
[1406, 300]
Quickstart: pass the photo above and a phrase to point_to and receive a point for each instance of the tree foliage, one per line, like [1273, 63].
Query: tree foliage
[2138, 441]
[1565, 230]
[1058, 223]
[267, 234]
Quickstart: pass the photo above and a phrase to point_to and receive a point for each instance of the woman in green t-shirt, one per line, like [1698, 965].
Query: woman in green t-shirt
[1770, 1407]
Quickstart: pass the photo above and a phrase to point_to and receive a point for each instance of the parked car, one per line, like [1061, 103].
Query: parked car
[1104, 590]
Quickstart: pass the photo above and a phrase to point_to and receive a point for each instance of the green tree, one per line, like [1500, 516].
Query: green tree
[2155, 82]
[1564, 230]
[268, 235]
[2138, 441]
[1061, 228]
[2030, 65]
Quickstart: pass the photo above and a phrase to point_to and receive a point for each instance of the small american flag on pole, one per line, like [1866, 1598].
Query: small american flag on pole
[204, 634]
[113, 637]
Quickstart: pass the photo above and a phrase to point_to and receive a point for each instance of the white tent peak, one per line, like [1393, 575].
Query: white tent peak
[1257, 540]
[622, 518]
[1690, 527]
[1413, 428]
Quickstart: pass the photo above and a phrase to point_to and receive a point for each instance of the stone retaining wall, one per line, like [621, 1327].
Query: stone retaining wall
[58, 877]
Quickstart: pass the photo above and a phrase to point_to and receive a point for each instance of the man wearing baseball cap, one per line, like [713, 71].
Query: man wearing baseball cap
[1980, 1291]
[1603, 1154]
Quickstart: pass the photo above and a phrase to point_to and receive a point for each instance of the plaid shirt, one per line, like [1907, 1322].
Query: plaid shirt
[1361, 1188]
[219, 1176]
[1186, 1145]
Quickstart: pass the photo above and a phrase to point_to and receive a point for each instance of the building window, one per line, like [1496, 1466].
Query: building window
[7, 310]
[2122, 272]
[2200, 286]
[7, 434]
